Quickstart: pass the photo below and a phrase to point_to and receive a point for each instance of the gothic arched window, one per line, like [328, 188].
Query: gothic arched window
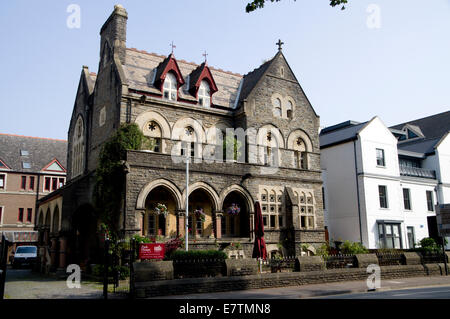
[153, 133]
[78, 148]
[277, 107]
[170, 87]
[204, 94]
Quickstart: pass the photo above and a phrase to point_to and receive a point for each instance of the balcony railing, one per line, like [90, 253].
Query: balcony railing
[417, 172]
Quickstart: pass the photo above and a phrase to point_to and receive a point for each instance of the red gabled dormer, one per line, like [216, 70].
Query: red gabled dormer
[202, 73]
[3, 165]
[54, 166]
[168, 66]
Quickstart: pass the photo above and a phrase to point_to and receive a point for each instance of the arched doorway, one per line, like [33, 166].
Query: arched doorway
[85, 246]
[236, 217]
[201, 210]
[156, 221]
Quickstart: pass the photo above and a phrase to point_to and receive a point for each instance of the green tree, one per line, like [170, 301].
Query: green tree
[110, 175]
[257, 4]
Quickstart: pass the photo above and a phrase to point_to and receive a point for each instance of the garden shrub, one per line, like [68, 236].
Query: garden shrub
[350, 248]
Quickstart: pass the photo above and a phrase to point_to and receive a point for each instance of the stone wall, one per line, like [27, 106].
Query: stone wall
[271, 280]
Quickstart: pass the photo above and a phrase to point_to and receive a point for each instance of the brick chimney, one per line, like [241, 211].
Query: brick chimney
[114, 31]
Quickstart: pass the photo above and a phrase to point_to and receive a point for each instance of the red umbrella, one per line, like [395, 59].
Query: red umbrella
[259, 249]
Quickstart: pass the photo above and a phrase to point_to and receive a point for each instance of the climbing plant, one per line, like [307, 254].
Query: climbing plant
[110, 175]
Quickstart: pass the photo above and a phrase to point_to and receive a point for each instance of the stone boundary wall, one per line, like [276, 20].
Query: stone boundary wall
[272, 280]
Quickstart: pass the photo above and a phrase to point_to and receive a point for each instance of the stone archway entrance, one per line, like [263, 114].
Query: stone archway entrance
[201, 210]
[156, 223]
[235, 224]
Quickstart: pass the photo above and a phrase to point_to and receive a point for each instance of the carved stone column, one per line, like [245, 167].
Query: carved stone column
[140, 218]
[62, 252]
[181, 220]
[53, 251]
[218, 224]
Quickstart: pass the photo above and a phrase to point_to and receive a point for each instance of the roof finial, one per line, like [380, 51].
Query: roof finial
[205, 55]
[173, 46]
[279, 43]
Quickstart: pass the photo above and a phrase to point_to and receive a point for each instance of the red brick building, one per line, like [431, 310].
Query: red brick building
[30, 168]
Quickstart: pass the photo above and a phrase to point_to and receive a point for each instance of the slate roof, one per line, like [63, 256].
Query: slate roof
[41, 151]
[434, 126]
[252, 78]
[345, 131]
[140, 68]
[423, 146]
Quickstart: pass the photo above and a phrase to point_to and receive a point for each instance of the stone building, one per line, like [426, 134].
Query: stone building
[185, 109]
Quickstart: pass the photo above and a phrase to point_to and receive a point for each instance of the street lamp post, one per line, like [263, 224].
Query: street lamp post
[187, 202]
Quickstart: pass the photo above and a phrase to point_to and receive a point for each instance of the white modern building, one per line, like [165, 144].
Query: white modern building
[381, 184]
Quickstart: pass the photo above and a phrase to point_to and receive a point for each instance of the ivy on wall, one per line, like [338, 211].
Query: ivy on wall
[110, 175]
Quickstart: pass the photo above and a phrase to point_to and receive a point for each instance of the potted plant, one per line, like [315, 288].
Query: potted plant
[233, 210]
[199, 214]
[161, 209]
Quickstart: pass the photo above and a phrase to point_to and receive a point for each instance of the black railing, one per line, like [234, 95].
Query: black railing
[432, 257]
[282, 264]
[390, 258]
[417, 172]
[339, 261]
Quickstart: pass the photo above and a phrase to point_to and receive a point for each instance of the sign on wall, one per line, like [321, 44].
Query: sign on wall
[151, 251]
[443, 219]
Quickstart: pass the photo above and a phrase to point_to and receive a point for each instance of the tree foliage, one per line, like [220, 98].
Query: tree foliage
[257, 4]
[110, 175]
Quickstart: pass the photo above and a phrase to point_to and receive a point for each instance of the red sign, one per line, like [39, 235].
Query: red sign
[151, 251]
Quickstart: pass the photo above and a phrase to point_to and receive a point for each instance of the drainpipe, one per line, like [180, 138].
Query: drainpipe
[357, 191]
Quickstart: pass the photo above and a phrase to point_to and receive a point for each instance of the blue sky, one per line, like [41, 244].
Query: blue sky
[399, 71]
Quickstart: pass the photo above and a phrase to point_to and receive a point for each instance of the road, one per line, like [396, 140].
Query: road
[441, 292]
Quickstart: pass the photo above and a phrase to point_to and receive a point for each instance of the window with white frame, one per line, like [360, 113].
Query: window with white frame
[382, 194]
[1, 214]
[307, 220]
[204, 94]
[430, 203]
[380, 157]
[406, 199]
[272, 210]
[2, 181]
[170, 87]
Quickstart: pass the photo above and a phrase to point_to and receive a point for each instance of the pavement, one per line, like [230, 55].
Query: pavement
[25, 284]
[334, 290]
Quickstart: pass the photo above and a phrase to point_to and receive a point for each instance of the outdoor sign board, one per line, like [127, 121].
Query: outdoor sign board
[151, 251]
[443, 219]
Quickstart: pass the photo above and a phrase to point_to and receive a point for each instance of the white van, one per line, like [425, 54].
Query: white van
[25, 256]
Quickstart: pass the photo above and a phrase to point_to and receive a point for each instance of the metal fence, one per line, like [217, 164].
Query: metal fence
[339, 261]
[432, 257]
[281, 264]
[390, 258]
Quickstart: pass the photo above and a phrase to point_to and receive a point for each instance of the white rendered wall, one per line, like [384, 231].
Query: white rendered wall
[342, 204]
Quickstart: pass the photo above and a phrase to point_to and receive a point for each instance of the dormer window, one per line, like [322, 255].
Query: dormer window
[204, 94]
[170, 87]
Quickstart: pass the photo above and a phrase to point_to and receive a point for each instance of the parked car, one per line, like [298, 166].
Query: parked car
[25, 256]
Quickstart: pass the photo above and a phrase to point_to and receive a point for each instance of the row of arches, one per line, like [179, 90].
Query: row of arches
[51, 220]
[210, 214]
[156, 125]
[264, 142]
